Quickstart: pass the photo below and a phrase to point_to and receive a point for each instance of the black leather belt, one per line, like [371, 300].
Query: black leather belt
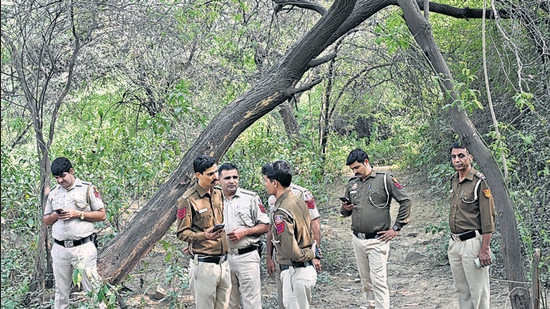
[73, 243]
[243, 250]
[295, 265]
[365, 235]
[216, 259]
[464, 236]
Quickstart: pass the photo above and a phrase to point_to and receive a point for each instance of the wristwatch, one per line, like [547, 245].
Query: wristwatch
[82, 215]
[396, 228]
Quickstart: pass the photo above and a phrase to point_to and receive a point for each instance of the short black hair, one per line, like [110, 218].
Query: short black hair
[458, 145]
[202, 163]
[357, 155]
[267, 170]
[279, 170]
[227, 166]
[61, 165]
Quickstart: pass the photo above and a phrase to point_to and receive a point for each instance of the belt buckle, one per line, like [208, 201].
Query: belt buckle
[233, 251]
[456, 237]
[68, 243]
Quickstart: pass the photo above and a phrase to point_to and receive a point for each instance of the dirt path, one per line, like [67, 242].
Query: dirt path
[418, 273]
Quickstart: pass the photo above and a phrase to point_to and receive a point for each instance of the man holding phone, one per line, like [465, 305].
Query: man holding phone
[367, 200]
[200, 208]
[245, 221]
[72, 207]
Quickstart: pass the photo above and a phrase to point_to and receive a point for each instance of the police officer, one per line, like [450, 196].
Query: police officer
[272, 267]
[291, 237]
[472, 222]
[72, 208]
[369, 196]
[199, 209]
[245, 221]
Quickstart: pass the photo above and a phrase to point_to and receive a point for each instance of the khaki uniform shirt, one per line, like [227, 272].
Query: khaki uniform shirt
[244, 209]
[372, 205]
[199, 210]
[304, 194]
[291, 230]
[471, 210]
[82, 196]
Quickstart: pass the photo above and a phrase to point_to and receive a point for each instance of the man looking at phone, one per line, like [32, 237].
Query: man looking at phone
[370, 194]
[199, 209]
[72, 208]
[472, 222]
[245, 221]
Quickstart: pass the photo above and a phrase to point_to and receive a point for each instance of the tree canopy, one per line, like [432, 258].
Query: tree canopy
[140, 89]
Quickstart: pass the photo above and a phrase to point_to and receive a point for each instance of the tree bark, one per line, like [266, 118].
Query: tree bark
[289, 120]
[511, 250]
[121, 255]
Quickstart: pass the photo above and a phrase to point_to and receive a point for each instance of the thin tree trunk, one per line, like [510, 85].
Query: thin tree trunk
[511, 250]
[289, 120]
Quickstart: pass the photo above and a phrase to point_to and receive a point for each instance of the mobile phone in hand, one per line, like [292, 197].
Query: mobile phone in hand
[345, 200]
[59, 211]
[218, 227]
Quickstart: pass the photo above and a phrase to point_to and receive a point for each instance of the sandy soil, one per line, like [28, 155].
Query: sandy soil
[418, 272]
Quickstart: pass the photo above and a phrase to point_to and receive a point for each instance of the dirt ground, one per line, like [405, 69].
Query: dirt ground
[418, 272]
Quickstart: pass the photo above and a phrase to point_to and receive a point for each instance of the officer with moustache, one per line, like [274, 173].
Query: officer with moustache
[367, 200]
[245, 221]
[198, 211]
[472, 223]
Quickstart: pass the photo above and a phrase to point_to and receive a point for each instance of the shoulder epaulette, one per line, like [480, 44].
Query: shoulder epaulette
[297, 188]
[352, 178]
[285, 212]
[480, 175]
[188, 192]
[218, 187]
[248, 192]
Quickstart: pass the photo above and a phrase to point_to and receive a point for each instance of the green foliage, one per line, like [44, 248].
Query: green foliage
[468, 97]
[524, 100]
[20, 221]
[393, 33]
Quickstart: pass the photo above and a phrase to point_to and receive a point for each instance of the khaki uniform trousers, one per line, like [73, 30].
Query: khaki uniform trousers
[245, 281]
[372, 258]
[64, 260]
[210, 283]
[297, 285]
[472, 283]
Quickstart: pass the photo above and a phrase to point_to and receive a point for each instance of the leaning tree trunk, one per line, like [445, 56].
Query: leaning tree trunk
[120, 256]
[421, 31]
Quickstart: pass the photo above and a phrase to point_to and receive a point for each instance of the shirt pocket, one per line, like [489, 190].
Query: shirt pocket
[81, 204]
[203, 216]
[467, 197]
[355, 197]
[243, 213]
